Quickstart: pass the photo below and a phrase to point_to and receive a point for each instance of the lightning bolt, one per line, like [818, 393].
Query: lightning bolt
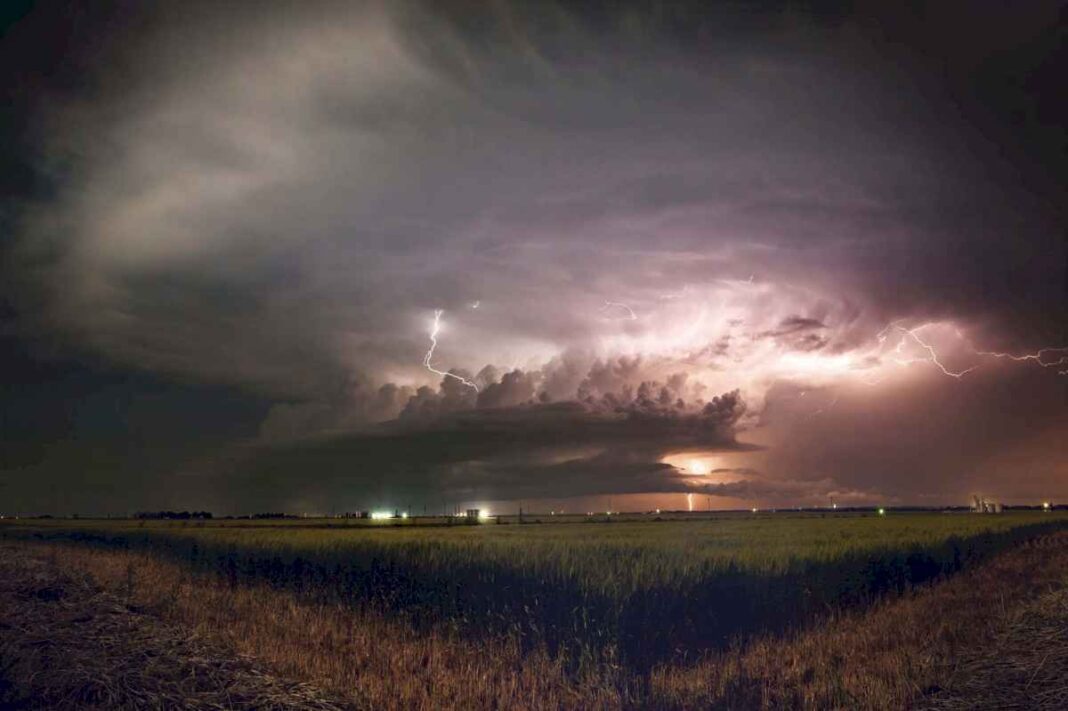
[1057, 356]
[1038, 357]
[912, 334]
[430, 353]
[631, 316]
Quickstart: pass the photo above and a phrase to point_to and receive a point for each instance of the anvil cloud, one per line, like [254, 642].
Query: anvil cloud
[649, 232]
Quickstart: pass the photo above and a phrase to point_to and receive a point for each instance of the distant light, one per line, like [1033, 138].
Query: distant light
[658, 510]
[379, 515]
[754, 510]
[882, 512]
[484, 515]
[404, 515]
[834, 506]
[698, 467]
[1046, 505]
[552, 513]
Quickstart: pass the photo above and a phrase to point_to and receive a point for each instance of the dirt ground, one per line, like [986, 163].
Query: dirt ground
[1026, 666]
[67, 644]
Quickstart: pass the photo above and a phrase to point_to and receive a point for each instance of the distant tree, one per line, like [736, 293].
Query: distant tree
[173, 515]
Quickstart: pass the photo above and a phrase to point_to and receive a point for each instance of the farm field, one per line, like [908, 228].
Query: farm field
[615, 604]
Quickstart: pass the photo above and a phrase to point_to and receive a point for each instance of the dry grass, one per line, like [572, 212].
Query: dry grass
[64, 643]
[640, 593]
[917, 650]
[1026, 666]
[368, 659]
[891, 656]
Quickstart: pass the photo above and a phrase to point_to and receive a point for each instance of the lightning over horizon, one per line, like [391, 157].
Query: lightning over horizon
[679, 218]
[434, 330]
[744, 330]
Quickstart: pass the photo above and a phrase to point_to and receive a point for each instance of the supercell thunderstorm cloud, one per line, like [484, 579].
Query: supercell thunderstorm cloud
[315, 256]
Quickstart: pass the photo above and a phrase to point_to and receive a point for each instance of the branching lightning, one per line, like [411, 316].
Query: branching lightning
[430, 353]
[1038, 357]
[913, 333]
[1048, 357]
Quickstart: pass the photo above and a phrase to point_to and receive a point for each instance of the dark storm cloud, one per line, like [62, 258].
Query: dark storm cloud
[514, 388]
[273, 199]
[611, 444]
[532, 451]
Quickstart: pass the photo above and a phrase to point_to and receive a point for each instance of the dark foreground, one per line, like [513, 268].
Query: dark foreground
[84, 629]
[1024, 665]
[67, 643]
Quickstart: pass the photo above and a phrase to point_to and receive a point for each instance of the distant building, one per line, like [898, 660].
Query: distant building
[472, 514]
[982, 505]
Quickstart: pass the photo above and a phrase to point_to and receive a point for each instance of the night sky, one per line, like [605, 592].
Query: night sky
[319, 257]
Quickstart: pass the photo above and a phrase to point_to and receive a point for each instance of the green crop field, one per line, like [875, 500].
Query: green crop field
[643, 589]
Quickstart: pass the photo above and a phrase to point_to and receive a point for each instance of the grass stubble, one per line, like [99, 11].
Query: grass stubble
[637, 594]
[68, 643]
[949, 645]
